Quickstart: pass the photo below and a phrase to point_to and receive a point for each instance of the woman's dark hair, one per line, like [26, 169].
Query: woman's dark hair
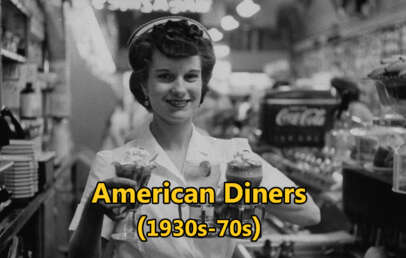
[174, 39]
[348, 91]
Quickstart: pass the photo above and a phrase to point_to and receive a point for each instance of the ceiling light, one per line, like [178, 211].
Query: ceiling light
[229, 23]
[160, 5]
[215, 34]
[247, 8]
[147, 6]
[221, 51]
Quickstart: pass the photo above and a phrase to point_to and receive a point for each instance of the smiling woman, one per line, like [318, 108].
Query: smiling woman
[172, 60]
[187, 44]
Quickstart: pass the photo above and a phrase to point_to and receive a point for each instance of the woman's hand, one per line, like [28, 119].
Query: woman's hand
[117, 211]
[86, 241]
[128, 176]
[140, 174]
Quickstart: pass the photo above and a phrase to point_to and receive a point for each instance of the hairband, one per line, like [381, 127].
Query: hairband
[146, 27]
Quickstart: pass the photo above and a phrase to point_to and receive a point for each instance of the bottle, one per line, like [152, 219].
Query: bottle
[30, 103]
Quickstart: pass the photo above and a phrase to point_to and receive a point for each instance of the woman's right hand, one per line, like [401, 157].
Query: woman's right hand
[141, 174]
[117, 211]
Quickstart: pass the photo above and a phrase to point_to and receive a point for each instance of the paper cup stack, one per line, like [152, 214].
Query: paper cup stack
[22, 178]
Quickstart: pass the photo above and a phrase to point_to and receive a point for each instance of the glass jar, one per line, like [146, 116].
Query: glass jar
[369, 139]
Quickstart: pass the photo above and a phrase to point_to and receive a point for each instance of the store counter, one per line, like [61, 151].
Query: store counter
[368, 197]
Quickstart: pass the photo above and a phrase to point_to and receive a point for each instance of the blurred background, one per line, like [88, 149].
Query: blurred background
[291, 76]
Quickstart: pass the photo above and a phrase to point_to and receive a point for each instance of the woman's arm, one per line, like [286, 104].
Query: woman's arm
[86, 240]
[305, 214]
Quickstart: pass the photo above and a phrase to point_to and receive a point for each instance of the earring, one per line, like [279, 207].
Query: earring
[146, 102]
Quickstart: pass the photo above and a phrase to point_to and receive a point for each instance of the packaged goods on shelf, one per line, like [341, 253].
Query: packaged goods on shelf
[309, 167]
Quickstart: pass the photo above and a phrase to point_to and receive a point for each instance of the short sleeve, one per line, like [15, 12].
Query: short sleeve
[272, 177]
[240, 144]
[101, 169]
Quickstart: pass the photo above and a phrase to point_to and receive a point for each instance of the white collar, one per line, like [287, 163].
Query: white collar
[198, 149]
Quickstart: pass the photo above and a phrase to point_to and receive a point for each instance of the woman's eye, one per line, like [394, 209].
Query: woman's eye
[165, 77]
[191, 77]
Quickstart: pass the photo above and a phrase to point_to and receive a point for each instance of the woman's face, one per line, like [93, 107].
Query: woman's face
[174, 87]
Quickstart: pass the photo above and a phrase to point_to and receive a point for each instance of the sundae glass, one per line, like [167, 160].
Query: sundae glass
[390, 81]
[137, 165]
[245, 166]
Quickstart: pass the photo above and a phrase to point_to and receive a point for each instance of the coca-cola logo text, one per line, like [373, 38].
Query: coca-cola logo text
[301, 117]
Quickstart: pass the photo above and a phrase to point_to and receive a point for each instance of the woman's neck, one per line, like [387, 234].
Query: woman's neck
[171, 136]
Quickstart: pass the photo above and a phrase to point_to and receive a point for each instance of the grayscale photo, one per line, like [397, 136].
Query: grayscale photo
[202, 128]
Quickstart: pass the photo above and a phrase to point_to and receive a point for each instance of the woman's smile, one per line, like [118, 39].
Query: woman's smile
[178, 103]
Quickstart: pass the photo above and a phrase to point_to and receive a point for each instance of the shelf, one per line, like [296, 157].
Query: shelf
[11, 56]
[315, 181]
[17, 217]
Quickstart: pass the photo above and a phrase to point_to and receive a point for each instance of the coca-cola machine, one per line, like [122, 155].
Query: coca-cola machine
[297, 118]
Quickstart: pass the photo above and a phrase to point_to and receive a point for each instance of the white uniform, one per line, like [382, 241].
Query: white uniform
[216, 151]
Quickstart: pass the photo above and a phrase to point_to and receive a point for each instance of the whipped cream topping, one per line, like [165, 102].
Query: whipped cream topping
[136, 155]
[245, 159]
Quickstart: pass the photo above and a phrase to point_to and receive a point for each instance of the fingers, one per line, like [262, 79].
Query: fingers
[126, 170]
[120, 182]
[117, 167]
[134, 172]
[145, 179]
[116, 213]
[138, 176]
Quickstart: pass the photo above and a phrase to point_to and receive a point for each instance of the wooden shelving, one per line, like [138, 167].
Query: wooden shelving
[14, 221]
[11, 56]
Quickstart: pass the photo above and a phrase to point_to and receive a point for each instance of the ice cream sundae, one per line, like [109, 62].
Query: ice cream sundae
[137, 164]
[245, 166]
